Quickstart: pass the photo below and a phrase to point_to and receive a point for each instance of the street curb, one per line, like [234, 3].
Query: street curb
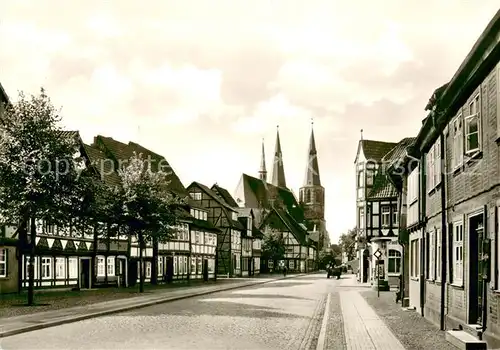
[72, 319]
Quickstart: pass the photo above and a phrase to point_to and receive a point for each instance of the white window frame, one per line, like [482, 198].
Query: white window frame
[361, 213]
[46, 267]
[395, 255]
[186, 265]
[148, 269]
[111, 265]
[3, 262]
[101, 266]
[395, 216]
[458, 253]
[385, 215]
[73, 268]
[430, 170]
[437, 162]
[457, 158]
[432, 255]
[474, 112]
[438, 254]
[160, 266]
[60, 268]
[196, 196]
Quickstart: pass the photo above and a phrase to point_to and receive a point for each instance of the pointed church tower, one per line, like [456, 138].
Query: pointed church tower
[312, 194]
[263, 171]
[278, 168]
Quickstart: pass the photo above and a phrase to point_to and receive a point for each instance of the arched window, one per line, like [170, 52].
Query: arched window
[308, 196]
[394, 261]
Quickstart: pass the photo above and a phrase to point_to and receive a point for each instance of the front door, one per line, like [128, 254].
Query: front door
[476, 283]
[85, 274]
[205, 270]
[170, 269]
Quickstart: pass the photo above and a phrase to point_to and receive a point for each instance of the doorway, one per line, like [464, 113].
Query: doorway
[366, 266]
[170, 269]
[85, 273]
[477, 283]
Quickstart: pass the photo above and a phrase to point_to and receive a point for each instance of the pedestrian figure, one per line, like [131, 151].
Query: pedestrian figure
[284, 271]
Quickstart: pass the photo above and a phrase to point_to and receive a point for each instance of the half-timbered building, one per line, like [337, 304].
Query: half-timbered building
[9, 269]
[280, 223]
[252, 239]
[368, 159]
[171, 260]
[225, 218]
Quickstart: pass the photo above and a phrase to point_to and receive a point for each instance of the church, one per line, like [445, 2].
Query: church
[300, 221]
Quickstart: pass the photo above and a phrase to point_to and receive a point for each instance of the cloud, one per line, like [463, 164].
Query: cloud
[203, 81]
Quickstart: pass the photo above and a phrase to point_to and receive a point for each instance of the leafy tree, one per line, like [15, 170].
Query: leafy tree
[347, 243]
[38, 171]
[148, 208]
[273, 247]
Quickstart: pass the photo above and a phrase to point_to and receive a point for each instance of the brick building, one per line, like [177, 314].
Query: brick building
[453, 216]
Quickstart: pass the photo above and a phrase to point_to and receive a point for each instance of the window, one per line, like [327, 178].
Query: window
[438, 255]
[361, 178]
[185, 265]
[430, 169]
[73, 267]
[395, 215]
[458, 258]
[211, 265]
[48, 229]
[473, 127]
[361, 218]
[415, 258]
[148, 269]
[3, 262]
[46, 268]
[160, 266]
[457, 158]
[199, 265]
[291, 264]
[60, 268]
[193, 265]
[308, 198]
[100, 266]
[238, 261]
[368, 216]
[394, 261]
[386, 215]
[111, 266]
[437, 162]
[197, 237]
[196, 196]
[369, 177]
[431, 258]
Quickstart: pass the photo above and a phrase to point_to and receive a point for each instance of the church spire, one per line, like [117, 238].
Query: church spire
[263, 171]
[278, 168]
[312, 171]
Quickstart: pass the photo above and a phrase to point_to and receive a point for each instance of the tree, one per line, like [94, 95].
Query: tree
[273, 247]
[38, 171]
[347, 243]
[148, 207]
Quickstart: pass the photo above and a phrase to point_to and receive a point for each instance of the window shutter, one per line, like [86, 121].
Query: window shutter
[450, 253]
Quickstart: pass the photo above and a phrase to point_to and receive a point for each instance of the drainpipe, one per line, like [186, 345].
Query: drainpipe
[403, 276]
[422, 204]
[443, 233]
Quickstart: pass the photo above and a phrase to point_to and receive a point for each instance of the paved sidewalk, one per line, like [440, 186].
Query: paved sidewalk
[363, 329]
[26, 323]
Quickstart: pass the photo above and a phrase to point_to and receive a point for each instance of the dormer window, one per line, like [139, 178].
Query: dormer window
[199, 215]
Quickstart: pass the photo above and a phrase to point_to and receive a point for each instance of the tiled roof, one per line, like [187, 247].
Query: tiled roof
[257, 233]
[382, 188]
[265, 193]
[102, 166]
[435, 96]
[399, 150]
[224, 194]
[299, 233]
[225, 207]
[375, 150]
[122, 152]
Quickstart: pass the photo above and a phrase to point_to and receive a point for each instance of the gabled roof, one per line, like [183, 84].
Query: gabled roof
[226, 208]
[224, 195]
[122, 152]
[374, 150]
[382, 187]
[102, 165]
[297, 231]
[259, 194]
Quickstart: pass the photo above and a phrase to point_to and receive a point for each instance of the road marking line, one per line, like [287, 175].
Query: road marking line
[322, 332]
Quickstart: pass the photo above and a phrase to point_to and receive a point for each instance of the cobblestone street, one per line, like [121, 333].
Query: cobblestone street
[285, 314]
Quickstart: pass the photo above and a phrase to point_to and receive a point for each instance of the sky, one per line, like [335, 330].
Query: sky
[203, 82]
